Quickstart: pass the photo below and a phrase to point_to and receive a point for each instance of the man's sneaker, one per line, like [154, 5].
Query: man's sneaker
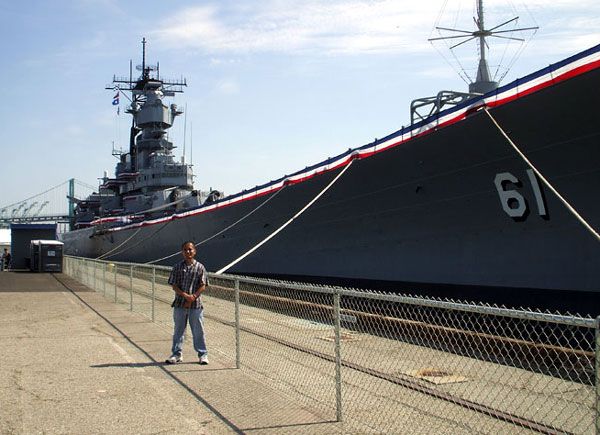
[174, 359]
[203, 359]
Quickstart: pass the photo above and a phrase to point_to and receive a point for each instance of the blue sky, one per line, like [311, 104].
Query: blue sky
[274, 85]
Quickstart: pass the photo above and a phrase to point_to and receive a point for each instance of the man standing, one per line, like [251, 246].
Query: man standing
[5, 260]
[189, 280]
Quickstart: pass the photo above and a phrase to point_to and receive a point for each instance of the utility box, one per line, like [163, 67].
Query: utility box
[46, 256]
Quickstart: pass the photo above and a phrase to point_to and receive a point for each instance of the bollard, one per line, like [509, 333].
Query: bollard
[338, 356]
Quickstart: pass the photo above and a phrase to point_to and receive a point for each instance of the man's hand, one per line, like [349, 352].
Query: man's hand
[189, 300]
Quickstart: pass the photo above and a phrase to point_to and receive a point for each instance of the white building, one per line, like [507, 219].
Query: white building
[4, 239]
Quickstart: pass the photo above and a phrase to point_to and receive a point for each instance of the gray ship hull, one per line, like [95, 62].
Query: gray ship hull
[426, 216]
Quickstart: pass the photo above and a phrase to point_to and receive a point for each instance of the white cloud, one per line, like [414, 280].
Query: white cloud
[348, 26]
[228, 87]
[281, 26]
[217, 61]
[111, 6]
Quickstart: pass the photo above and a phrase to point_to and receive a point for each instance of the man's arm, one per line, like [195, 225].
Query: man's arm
[188, 297]
[199, 291]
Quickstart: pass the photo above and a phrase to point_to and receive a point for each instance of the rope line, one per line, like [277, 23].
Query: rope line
[546, 182]
[274, 233]
[117, 247]
[127, 248]
[139, 229]
[224, 229]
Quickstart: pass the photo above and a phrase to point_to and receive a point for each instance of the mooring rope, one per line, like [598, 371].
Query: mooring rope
[145, 239]
[117, 247]
[277, 231]
[224, 229]
[546, 182]
[139, 229]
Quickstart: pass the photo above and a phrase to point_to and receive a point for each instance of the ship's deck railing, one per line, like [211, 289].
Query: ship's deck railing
[377, 361]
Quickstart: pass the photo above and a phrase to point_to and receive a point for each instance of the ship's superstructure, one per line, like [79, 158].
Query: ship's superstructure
[148, 181]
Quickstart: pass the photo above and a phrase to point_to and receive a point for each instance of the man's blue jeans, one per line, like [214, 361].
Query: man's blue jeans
[195, 317]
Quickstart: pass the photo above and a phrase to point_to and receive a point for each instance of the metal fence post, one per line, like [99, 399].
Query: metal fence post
[237, 324]
[115, 266]
[131, 287]
[153, 290]
[104, 279]
[338, 356]
[597, 374]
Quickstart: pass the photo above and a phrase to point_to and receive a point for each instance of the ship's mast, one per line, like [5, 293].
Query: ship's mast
[145, 75]
[483, 82]
[483, 71]
[423, 108]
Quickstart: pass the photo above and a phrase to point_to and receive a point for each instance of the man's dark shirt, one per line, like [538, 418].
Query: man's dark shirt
[188, 279]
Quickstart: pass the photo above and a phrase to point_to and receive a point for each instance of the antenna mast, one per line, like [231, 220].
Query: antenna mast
[184, 129]
[144, 58]
[483, 83]
[483, 70]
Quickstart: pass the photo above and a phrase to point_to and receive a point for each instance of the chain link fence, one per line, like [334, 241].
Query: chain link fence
[380, 362]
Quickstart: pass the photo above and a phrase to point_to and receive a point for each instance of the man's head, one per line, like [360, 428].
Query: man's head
[188, 250]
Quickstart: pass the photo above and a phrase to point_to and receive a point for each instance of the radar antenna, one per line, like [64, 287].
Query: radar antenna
[169, 87]
[423, 108]
[483, 82]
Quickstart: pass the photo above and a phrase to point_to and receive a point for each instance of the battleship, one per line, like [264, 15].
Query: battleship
[490, 195]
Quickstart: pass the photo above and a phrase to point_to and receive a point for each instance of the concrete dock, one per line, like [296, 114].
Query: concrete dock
[73, 361]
